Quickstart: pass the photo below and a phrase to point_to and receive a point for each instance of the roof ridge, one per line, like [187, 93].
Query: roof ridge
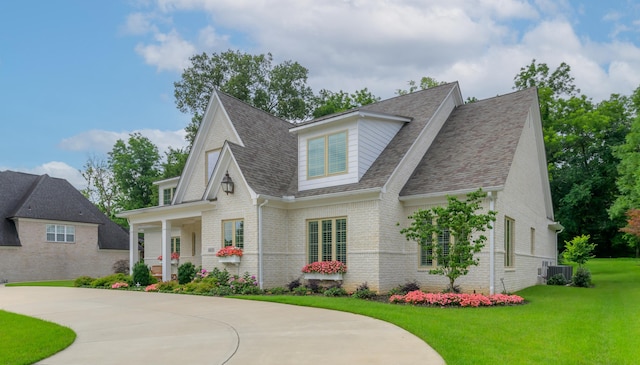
[27, 195]
[252, 106]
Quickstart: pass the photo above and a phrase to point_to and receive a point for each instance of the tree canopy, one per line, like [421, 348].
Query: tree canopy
[279, 89]
[328, 102]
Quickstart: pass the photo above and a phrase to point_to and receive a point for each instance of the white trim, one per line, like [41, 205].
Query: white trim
[414, 198]
[352, 115]
[166, 181]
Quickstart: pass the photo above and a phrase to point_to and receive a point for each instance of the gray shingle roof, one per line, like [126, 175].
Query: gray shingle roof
[475, 147]
[43, 197]
[269, 159]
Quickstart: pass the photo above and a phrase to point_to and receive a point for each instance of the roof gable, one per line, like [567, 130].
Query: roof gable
[476, 146]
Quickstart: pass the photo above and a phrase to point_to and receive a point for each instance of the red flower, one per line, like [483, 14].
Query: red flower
[229, 251]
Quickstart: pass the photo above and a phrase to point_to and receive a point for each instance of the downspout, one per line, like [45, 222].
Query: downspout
[260, 265]
[492, 246]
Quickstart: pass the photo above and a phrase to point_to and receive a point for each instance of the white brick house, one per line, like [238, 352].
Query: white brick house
[334, 188]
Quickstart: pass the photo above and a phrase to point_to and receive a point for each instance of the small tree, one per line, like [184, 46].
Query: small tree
[633, 229]
[578, 250]
[461, 220]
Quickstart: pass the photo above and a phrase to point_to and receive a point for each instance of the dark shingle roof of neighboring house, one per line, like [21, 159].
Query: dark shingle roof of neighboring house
[475, 147]
[42, 197]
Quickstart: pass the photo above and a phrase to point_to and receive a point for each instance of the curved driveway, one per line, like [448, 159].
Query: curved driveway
[124, 327]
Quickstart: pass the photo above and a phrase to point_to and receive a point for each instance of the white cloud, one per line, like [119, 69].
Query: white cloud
[379, 44]
[101, 141]
[170, 52]
[139, 24]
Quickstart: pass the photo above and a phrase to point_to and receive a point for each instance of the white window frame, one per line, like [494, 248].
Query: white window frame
[61, 233]
[326, 158]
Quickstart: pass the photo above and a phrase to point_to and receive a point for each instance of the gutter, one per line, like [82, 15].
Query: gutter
[260, 263]
[492, 247]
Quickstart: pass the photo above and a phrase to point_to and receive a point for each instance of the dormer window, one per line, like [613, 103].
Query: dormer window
[168, 195]
[327, 155]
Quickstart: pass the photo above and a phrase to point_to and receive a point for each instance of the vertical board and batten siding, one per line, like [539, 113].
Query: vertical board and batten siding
[352, 158]
[373, 138]
[219, 131]
[523, 201]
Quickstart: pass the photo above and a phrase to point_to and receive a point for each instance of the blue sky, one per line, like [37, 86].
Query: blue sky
[77, 75]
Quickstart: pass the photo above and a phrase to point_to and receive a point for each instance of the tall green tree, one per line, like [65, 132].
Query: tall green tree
[580, 137]
[465, 226]
[278, 89]
[328, 102]
[174, 161]
[101, 189]
[135, 165]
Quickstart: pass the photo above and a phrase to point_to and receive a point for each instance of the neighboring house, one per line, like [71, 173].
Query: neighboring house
[50, 231]
[336, 187]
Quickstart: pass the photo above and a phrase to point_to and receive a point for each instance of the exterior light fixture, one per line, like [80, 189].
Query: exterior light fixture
[227, 184]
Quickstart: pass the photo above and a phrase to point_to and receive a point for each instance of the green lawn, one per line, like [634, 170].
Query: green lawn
[25, 340]
[559, 325]
[65, 283]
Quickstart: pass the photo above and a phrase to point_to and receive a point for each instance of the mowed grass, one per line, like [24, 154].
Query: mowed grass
[25, 340]
[65, 283]
[558, 325]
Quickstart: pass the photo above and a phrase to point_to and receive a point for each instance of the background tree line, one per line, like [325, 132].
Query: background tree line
[592, 148]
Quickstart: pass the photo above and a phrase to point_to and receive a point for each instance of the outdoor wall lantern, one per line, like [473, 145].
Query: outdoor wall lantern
[227, 184]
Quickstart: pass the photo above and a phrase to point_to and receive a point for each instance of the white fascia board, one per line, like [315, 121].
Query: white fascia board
[166, 181]
[349, 116]
[421, 198]
[152, 214]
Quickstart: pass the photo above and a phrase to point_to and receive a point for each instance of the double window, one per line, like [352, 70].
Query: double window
[427, 256]
[327, 155]
[175, 244]
[327, 240]
[509, 242]
[233, 233]
[61, 233]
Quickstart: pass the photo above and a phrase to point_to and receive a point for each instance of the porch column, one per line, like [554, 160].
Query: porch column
[133, 246]
[166, 250]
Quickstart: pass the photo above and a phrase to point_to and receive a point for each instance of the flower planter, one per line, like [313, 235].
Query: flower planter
[229, 259]
[174, 262]
[318, 276]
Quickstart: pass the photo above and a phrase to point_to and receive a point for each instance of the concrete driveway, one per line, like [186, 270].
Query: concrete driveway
[124, 327]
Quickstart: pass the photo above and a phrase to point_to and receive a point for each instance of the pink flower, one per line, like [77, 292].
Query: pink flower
[325, 267]
[418, 297]
[152, 287]
[229, 251]
[119, 285]
[174, 256]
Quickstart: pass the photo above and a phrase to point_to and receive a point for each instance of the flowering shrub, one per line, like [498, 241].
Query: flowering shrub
[174, 256]
[152, 287]
[229, 251]
[325, 267]
[119, 285]
[202, 274]
[246, 284]
[418, 297]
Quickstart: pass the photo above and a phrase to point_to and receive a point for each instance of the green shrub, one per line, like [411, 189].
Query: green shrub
[336, 291]
[83, 281]
[363, 292]
[246, 284]
[222, 291]
[186, 273]
[167, 286]
[107, 281]
[277, 290]
[301, 290]
[293, 284]
[142, 274]
[557, 279]
[582, 278]
[198, 287]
